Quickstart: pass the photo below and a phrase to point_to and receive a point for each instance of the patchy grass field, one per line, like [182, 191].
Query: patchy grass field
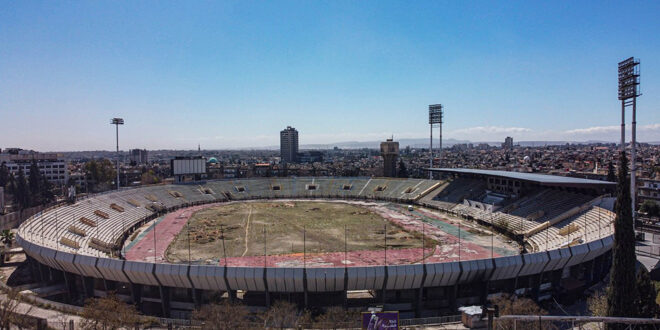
[243, 225]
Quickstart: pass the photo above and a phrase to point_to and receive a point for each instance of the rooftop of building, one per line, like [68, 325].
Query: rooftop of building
[542, 179]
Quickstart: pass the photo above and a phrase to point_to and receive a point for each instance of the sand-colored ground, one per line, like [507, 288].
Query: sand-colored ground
[326, 227]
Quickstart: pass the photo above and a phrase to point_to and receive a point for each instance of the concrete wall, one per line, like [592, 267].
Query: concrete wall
[399, 277]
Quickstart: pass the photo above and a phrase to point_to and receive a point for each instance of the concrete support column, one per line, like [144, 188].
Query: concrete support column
[70, 282]
[43, 273]
[165, 299]
[197, 297]
[384, 289]
[267, 293]
[345, 291]
[136, 294]
[420, 295]
[483, 297]
[305, 286]
[536, 285]
[453, 295]
[88, 286]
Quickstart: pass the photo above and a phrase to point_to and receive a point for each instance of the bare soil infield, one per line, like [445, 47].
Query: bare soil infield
[325, 224]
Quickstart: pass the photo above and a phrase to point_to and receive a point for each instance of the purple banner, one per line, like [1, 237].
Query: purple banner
[380, 320]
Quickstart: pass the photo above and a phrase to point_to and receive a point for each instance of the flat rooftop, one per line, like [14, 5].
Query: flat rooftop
[542, 179]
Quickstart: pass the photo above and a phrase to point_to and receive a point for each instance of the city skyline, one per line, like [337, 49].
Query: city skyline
[230, 75]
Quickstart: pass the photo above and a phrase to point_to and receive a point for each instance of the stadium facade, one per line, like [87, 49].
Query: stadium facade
[77, 245]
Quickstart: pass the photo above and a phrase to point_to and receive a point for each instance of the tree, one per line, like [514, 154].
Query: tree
[403, 171]
[149, 177]
[47, 195]
[336, 317]
[611, 175]
[4, 175]
[21, 193]
[226, 315]
[651, 208]
[6, 237]
[10, 318]
[108, 313]
[621, 294]
[100, 173]
[512, 305]
[11, 184]
[35, 184]
[646, 294]
[281, 315]
[597, 304]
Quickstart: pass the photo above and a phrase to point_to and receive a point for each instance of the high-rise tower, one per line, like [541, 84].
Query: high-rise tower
[289, 145]
[390, 152]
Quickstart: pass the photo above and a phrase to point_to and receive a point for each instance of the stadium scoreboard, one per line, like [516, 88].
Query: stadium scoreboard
[187, 165]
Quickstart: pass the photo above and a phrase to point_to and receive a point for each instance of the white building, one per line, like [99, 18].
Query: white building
[648, 189]
[139, 156]
[50, 165]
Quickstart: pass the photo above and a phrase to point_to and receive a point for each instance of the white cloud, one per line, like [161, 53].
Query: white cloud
[594, 130]
[490, 130]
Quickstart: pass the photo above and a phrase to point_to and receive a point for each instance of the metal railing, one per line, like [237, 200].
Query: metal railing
[430, 320]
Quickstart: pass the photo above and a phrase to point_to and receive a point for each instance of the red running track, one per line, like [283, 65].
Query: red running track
[173, 223]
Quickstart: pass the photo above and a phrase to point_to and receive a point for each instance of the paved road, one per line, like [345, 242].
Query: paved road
[55, 318]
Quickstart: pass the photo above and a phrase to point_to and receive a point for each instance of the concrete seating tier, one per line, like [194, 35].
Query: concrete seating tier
[105, 217]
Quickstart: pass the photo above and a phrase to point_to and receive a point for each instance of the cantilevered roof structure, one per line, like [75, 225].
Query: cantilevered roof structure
[540, 179]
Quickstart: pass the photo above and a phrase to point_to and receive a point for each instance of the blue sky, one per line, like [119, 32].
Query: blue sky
[232, 74]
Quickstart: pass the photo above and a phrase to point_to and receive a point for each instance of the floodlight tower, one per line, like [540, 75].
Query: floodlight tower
[435, 117]
[117, 122]
[628, 93]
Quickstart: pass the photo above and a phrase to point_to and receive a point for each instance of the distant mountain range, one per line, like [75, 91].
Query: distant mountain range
[424, 143]
[413, 143]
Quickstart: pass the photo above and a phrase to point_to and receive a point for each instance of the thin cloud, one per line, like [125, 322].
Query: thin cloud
[610, 129]
[490, 130]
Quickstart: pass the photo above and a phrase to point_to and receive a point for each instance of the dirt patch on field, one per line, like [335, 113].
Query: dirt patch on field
[277, 228]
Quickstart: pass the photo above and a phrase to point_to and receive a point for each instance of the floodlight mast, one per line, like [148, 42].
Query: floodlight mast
[628, 93]
[435, 117]
[117, 122]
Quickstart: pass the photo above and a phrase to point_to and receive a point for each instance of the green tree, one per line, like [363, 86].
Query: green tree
[99, 172]
[149, 177]
[403, 171]
[6, 237]
[621, 294]
[47, 194]
[21, 193]
[646, 294]
[651, 208]
[611, 175]
[35, 184]
[4, 175]
[11, 184]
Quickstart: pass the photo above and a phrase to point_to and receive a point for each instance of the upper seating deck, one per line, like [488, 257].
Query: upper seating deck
[106, 224]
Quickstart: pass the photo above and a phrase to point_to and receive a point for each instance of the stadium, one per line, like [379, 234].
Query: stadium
[422, 247]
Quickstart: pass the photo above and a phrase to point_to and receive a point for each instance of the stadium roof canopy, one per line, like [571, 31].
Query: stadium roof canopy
[541, 179]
